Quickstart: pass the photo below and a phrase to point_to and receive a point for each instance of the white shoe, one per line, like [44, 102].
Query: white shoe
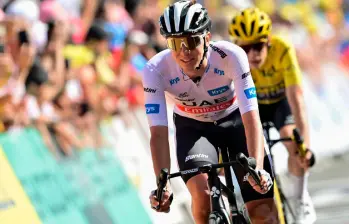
[303, 210]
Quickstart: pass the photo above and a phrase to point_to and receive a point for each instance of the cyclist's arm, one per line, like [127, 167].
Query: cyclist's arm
[160, 150]
[294, 91]
[296, 100]
[248, 105]
[155, 105]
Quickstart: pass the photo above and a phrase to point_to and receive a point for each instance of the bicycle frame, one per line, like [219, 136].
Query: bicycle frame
[271, 143]
[215, 185]
[216, 188]
[234, 211]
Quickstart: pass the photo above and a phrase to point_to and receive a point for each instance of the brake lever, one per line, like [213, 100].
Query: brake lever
[162, 181]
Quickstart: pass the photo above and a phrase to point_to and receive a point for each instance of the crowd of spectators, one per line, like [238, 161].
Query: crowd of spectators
[68, 65]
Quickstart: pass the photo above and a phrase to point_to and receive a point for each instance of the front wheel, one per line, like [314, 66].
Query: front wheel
[216, 218]
[239, 220]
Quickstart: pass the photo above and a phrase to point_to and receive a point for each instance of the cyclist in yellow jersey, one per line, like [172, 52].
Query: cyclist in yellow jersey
[278, 81]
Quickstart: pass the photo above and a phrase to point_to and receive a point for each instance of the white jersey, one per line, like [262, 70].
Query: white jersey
[225, 86]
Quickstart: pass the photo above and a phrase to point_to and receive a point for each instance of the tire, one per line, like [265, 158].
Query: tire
[239, 220]
[216, 218]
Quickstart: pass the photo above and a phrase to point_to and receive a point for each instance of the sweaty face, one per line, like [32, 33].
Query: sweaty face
[187, 51]
[256, 53]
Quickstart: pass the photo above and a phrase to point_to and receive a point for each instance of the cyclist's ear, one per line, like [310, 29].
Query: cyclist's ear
[208, 37]
[268, 43]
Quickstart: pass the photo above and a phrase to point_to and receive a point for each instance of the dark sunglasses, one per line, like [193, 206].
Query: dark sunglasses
[257, 47]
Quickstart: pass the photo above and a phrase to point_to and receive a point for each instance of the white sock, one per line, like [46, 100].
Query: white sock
[297, 186]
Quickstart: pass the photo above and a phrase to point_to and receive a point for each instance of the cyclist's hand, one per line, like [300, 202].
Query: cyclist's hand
[165, 202]
[306, 161]
[266, 182]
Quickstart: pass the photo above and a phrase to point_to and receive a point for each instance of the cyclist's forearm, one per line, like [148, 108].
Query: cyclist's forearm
[254, 136]
[297, 105]
[160, 151]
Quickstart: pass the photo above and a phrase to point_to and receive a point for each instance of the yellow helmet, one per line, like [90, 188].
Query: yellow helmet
[250, 26]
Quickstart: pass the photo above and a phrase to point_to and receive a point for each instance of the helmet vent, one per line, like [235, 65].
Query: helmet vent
[260, 29]
[163, 24]
[252, 26]
[236, 32]
[172, 22]
[233, 21]
[195, 22]
[243, 28]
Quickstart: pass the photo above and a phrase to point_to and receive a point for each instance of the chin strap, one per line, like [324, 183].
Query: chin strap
[203, 57]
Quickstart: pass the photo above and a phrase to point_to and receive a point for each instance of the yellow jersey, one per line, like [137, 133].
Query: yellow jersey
[279, 71]
[81, 55]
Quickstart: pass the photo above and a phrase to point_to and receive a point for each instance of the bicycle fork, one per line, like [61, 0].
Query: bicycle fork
[229, 189]
[217, 204]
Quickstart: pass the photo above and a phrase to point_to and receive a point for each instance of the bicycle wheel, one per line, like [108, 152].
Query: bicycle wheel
[239, 220]
[216, 218]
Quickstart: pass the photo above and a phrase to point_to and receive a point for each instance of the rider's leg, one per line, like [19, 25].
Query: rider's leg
[293, 166]
[285, 123]
[200, 195]
[261, 207]
[262, 211]
[194, 150]
[296, 187]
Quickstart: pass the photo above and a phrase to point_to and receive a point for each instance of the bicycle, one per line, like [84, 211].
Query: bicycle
[280, 199]
[218, 214]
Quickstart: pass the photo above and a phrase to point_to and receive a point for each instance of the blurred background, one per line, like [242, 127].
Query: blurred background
[74, 136]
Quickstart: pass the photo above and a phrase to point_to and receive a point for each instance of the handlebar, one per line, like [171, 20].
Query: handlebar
[248, 164]
[162, 181]
[299, 140]
[296, 137]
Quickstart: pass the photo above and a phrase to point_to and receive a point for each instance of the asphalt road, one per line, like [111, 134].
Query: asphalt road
[329, 188]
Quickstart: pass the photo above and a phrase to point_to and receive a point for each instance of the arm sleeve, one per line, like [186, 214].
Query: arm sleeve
[292, 73]
[154, 94]
[243, 83]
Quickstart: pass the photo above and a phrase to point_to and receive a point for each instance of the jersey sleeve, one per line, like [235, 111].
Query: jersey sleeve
[292, 73]
[243, 83]
[155, 102]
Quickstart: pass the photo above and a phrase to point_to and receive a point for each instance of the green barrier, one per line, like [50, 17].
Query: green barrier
[40, 177]
[85, 190]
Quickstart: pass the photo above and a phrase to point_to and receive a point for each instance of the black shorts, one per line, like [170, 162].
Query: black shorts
[198, 142]
[278, 113]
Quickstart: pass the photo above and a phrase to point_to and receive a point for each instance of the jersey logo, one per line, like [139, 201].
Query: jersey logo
[206, 109]
[220, 90]
[183, 95]
[152, 108]
[250, 93]
[174, 81]
[274, 92]
[245, 75]
[219, 72]
[218, 50]
[149, 90]
[195, 156]
[192, 103]
[183, 43]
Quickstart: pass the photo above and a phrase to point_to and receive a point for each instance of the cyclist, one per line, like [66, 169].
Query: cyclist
[215, 106]
[277, 77]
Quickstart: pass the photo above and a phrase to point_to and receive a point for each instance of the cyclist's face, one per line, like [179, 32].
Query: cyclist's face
[188, 51]
[256, 53]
